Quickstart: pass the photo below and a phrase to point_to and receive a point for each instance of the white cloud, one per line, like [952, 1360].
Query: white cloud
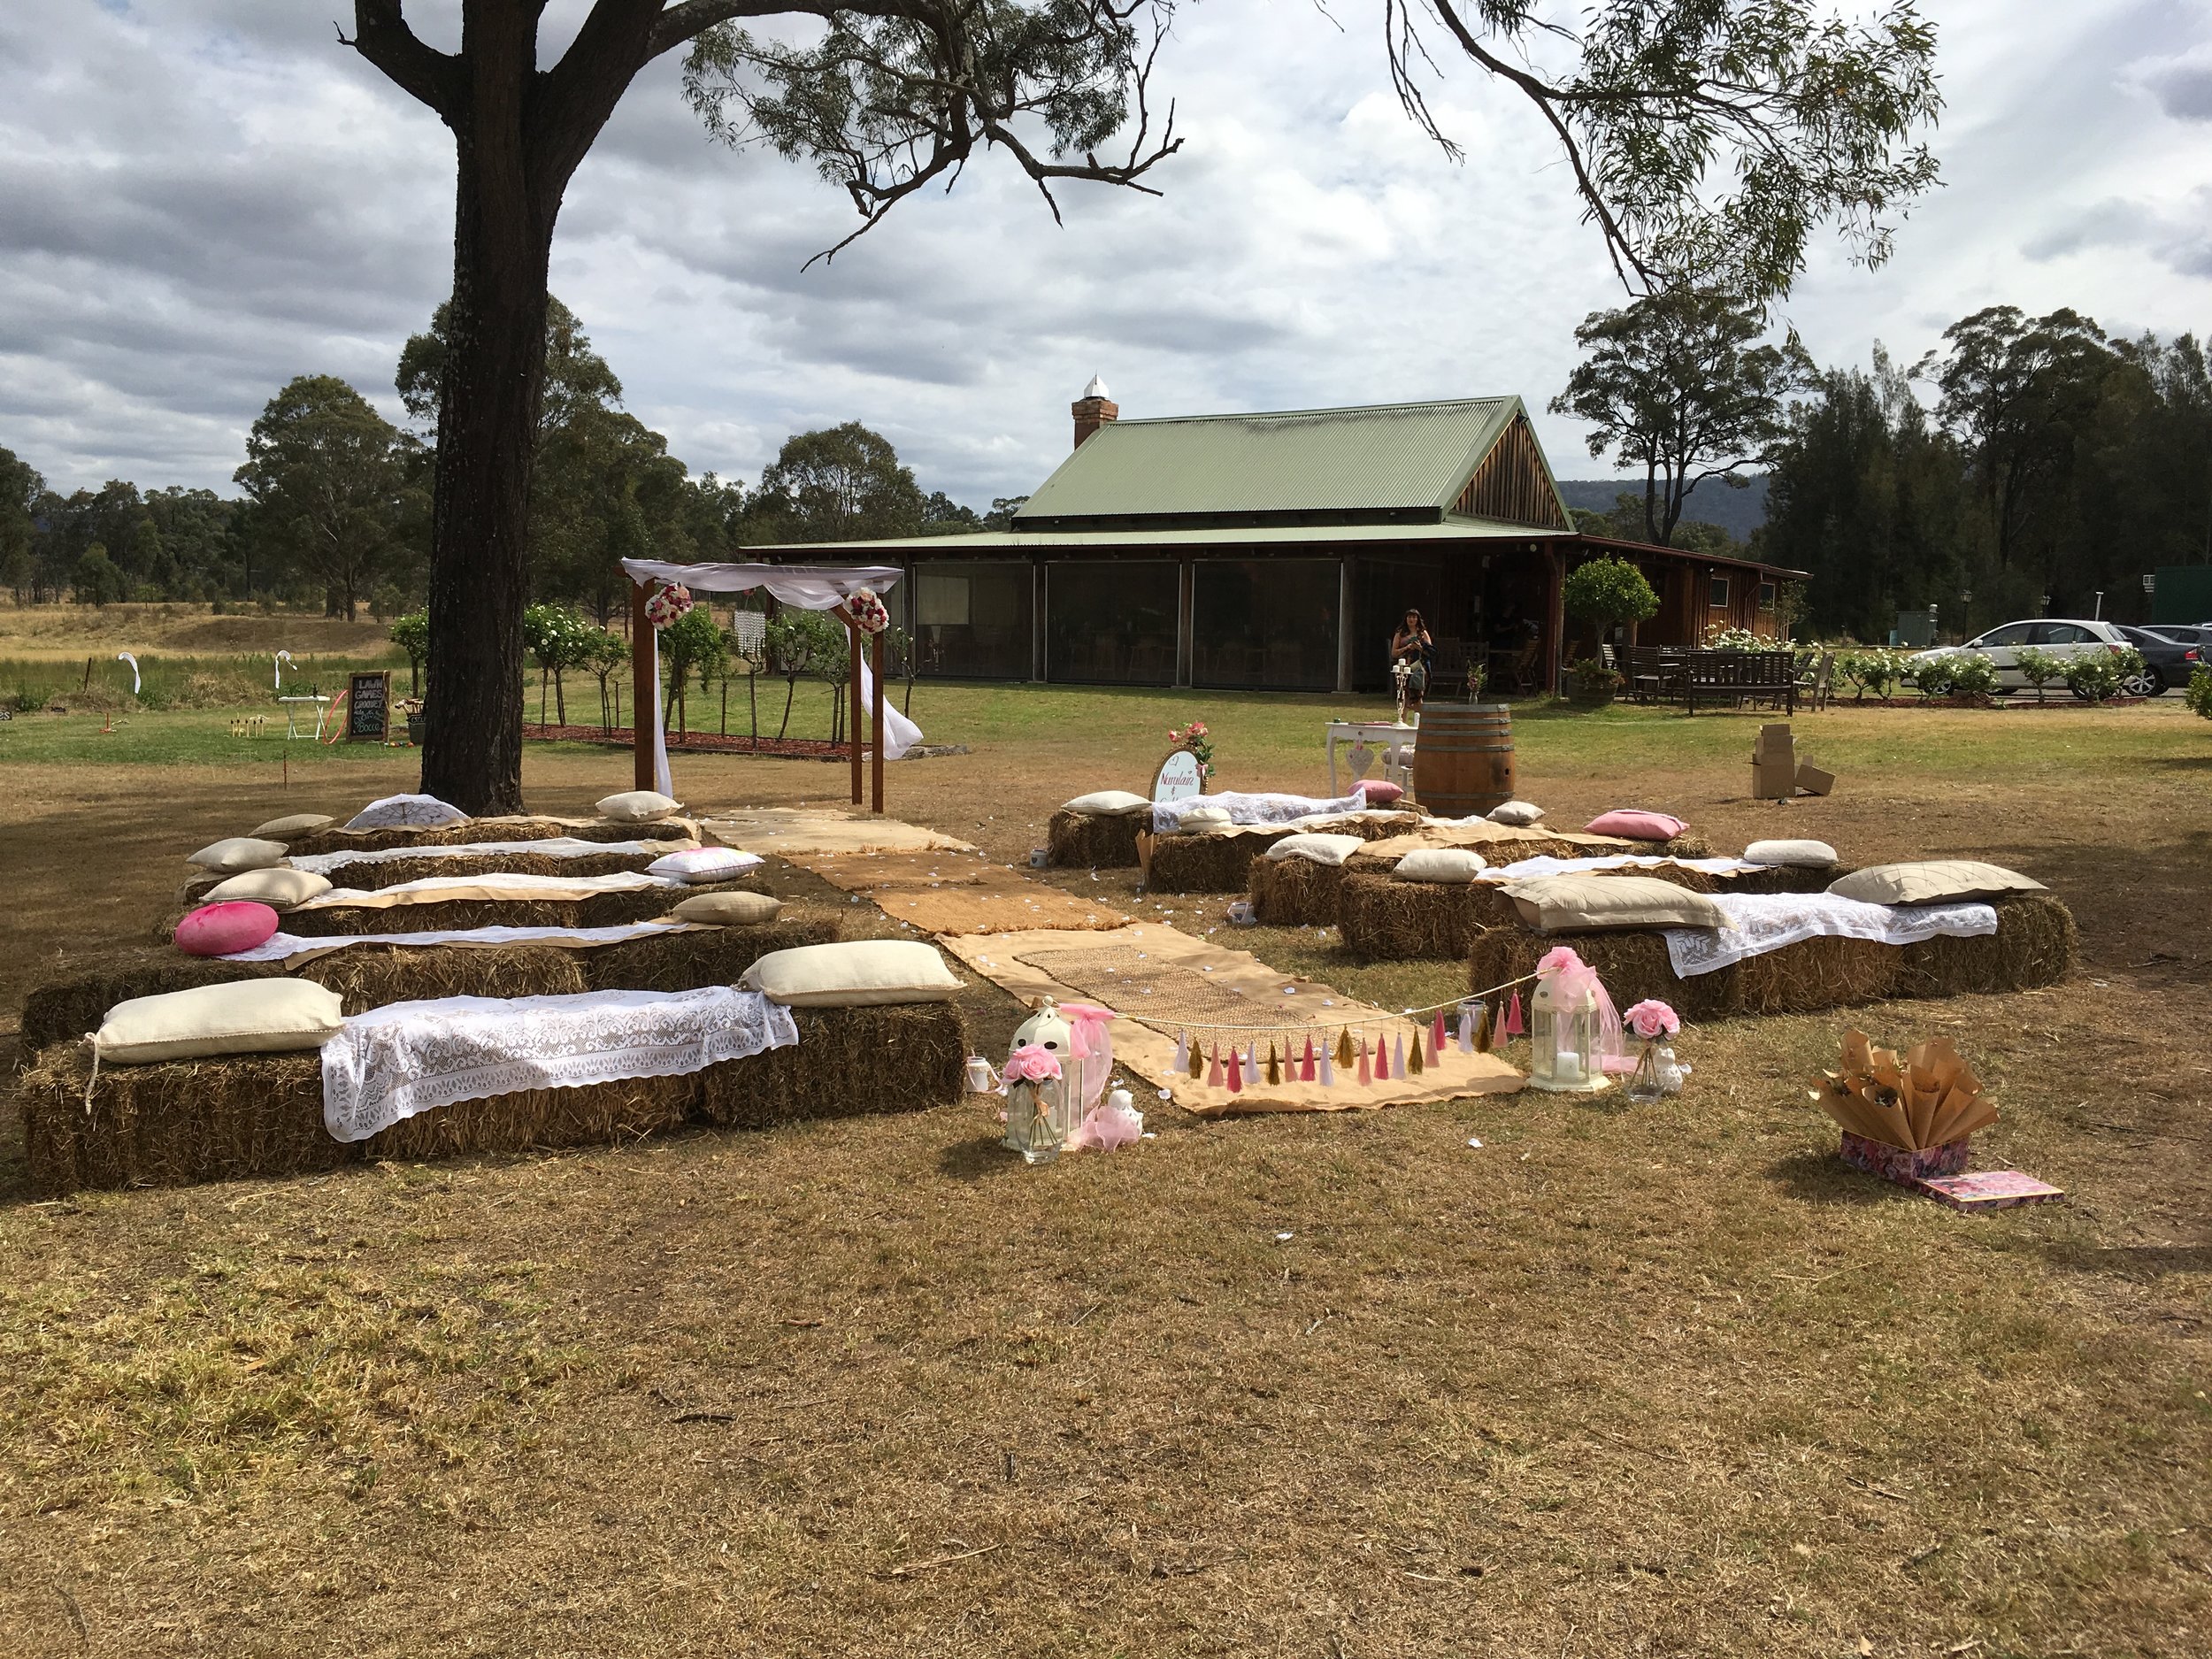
[201, 198]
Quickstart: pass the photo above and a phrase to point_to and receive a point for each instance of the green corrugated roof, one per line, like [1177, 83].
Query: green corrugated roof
[1026, 541]
[1381, 457]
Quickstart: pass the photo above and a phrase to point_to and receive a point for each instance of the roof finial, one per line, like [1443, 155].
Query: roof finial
[1097, 388]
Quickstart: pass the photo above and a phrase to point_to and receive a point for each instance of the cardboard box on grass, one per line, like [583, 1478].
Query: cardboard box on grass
[1777, 773]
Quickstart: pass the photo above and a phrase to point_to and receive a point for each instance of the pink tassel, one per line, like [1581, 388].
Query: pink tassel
[1366, 1072]
[1436, 1034]
[1305, 1068]
[1213, 1072]
[1382, 1061]
[1513, 1025]
[1236, 1071]
[1398, 1062]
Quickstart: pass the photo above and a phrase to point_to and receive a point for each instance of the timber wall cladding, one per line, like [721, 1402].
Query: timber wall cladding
[1511, 483]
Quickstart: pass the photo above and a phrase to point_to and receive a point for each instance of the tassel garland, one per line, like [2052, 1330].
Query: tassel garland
[1213, 1075]
[1274, 1070]
[1236, 1071]
[1182, 1051]
[1398, 1059]
[1513, 1025]
[1414, 1066]
[1328, 1068]
[1485, 1029]
[1305, 1069]
[1436, 1034]
[1366, 1072]
[1344, 1046]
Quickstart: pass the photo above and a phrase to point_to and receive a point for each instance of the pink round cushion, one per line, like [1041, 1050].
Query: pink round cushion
[1377, 793]
[1632, 825]
[223, 930]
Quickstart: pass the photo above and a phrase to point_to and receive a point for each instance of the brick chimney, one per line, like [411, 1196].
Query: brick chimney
[1092, 410]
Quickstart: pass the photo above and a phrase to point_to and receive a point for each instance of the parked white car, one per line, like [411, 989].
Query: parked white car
[2055, 636]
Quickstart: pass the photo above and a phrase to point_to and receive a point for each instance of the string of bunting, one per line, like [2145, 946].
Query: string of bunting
[1476, 1030]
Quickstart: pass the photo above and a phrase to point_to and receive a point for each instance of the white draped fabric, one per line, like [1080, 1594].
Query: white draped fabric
[408, 1057]
[550, 847]
[282, 947]
[807, 587]
[1760, 922]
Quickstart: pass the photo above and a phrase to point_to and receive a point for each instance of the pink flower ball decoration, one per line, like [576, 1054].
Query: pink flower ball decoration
[667, 604]
[868, 612]
[223, 930]
[1651, 1019]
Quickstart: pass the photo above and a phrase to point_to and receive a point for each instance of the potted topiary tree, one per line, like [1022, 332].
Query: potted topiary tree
[1607, 593]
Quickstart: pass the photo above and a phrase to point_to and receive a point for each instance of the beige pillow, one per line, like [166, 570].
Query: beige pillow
[855, 973]
[280, 889]
[1203, 818]
[242, 1017]
[1109, 804]
[637, 806]
[1554, 904]
[1798, 855]
[238, 853]
[1440, 864]
[285, 829]
[1517, 812]
[1320, 849]
[728, 910]
[1932, 882]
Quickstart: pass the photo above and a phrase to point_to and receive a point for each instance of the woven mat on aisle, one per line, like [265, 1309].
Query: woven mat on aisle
[785, 831]
[958, 892]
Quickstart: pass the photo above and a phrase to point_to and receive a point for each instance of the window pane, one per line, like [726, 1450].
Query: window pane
[1766, 596]
[2012, 634]
[1267, 623]
[1111, 622]
[1718, 597]
[972, 620]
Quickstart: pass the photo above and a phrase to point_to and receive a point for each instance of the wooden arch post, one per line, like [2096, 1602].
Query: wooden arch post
[854, 636]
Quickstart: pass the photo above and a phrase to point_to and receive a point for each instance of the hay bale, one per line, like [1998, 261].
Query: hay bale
[334, 839]
[1296, 892]
[1084, 841]
[1815, 973]
[850, 1062]
[597, 1114]
[374, 976]
[706, 956]
[601, 909]
[2035, 944]
[1206, 864]
[390, 873]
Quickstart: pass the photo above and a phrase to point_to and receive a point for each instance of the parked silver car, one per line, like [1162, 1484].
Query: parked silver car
[2055, 636]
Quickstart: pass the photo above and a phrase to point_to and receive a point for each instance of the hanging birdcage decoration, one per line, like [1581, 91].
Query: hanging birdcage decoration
[1567, 1039]
[1042, 1103]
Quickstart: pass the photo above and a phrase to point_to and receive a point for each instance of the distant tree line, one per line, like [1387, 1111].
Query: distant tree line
[335, 502]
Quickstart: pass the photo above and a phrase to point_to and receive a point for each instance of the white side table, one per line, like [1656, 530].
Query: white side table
[292, 715]
[1394, 741]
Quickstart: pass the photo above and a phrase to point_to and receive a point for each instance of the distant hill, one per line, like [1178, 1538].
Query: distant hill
[1737, 511]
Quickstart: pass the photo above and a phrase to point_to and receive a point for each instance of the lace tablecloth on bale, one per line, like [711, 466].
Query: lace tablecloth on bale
[408, 1057]
[1760, 922]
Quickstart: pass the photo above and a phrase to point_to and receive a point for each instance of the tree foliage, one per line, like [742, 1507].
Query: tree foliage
[1707, 139]
[841, 484]
[1679, 384]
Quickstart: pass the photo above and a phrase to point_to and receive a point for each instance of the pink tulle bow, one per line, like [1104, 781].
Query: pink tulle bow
[1031, 1063]
[1108, 1127]
[1573, 978]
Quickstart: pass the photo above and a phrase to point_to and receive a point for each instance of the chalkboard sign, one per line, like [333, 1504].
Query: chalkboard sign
[369, 708]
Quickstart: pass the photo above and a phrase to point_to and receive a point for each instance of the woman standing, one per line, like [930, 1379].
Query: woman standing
[1411, 645]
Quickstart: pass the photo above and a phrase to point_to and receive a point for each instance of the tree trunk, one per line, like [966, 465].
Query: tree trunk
[560, 701]
[790, 690]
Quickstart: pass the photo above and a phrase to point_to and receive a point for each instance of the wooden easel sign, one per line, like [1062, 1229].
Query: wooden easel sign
[1179, 777]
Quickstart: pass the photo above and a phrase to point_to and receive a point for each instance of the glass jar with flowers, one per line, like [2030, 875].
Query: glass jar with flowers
[1657, 1075]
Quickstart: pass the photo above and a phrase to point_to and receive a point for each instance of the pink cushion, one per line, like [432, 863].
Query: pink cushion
[1632, 824]
[223, 930]
[1379, 793]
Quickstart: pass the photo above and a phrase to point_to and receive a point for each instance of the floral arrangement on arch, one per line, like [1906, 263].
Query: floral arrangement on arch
[867, 611]
[1195, 739]
[668, 605]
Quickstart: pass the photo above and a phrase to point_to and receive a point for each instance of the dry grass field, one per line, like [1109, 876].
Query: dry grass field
[1662, 1381]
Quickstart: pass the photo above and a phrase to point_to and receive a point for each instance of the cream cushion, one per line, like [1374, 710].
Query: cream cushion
[236, 853]
[1107, 803]
[1440, 864]
[1581, 904]
[285, 829]
[243, 1017]
[854, 973]
[1320, 849]
[1203, 818]
[1800, 855]
[728, 910]
[415, 811]
[703, 863]
[637, 806]
[1521, 812]
[1931, 882]
[278, 889]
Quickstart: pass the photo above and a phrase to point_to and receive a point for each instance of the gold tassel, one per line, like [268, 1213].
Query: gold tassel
[1485, 1028]
[1413, 1055]
[1274, 1068]
[1197, 1061]
[1344, 1056]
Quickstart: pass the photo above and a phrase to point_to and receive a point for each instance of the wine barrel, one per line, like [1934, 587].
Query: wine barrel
[1463, 761]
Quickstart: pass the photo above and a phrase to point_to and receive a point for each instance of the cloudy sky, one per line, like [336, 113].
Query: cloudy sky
[201, 198]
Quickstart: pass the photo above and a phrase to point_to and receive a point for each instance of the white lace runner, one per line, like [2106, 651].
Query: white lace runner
[1248, 807]
[408, 1057]
[282, 947]
[429, 888]
[1543, 864]
[552, 847]
[1760, 922]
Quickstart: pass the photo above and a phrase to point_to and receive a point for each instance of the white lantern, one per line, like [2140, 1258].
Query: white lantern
[1041, 1111]
[1566, 1048]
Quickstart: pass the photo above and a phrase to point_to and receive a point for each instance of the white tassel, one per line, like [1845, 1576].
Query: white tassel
[1182, 1052]
[1328, 1068]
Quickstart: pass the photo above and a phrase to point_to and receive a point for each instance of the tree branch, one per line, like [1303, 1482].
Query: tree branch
[381, 35]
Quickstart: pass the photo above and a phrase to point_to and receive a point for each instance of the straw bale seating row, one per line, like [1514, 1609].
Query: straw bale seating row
[262, 1115]
[597, 909]
[2035, 944]
[1096, 841]
[336, 839]
[1220, 861]
[1384, 919]
[392, 873]
[371, 976]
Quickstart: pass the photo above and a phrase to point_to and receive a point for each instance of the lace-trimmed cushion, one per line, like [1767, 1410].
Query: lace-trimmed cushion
[244, 1016]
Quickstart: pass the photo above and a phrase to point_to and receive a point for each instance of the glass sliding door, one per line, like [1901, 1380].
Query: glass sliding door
[1111, 622]
[974, 620]
[1264, 623]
